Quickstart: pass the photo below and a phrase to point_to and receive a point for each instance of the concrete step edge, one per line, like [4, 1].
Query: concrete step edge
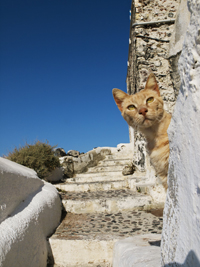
[79, 253]
[97, 186]
[111, 205]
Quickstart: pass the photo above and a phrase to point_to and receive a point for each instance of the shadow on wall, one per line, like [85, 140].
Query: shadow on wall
[190, 261]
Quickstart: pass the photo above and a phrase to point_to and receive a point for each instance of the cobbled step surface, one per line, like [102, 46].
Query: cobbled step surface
[105, 226]
[87, 240]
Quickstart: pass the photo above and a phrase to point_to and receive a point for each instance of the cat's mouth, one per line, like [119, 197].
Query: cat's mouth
[146, 121]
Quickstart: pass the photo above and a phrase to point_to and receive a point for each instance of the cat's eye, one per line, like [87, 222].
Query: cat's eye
[131, 107]
[150, 100]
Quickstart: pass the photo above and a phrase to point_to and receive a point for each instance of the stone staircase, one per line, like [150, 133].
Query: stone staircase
[102, 206]
[107, 175]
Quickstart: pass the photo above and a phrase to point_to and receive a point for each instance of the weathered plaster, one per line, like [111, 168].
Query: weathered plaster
[137, 251]
[12, 193]
[182, 21]
[180, 238]
[30, 211]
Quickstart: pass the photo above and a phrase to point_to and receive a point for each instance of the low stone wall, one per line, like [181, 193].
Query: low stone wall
[30, 210]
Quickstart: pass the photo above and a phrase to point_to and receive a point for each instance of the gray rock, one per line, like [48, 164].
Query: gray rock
[55, 176]
[68, 167]
[128, 169]
[73, 153]
[60, 152]
[105, 152]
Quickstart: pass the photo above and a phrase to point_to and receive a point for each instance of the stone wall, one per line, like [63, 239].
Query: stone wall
[149, 52]
[181, 222]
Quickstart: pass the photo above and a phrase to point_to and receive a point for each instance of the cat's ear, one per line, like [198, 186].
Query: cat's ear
[151, 84]
[119, 97]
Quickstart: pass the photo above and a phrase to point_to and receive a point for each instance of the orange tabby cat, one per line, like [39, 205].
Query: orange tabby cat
[144, 111]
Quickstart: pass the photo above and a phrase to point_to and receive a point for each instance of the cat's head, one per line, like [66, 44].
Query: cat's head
[143, 109]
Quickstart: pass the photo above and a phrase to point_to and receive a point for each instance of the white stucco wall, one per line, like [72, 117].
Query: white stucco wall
[30, 210]
[181, 229]
[12, 193]
[136, 251]
[181, 24]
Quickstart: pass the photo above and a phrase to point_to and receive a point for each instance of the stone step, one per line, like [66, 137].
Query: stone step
[118, 157]
[104, 176]
[88, 239]
[97, 177]
[103, 207]
[143, 187]
[105, 201]
[114, 162]
[99, 174]
[127, 183]
[105, 168]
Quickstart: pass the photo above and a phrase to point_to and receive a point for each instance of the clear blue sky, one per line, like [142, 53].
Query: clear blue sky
[59, 61]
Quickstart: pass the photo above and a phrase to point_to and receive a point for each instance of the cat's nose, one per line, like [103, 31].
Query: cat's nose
[143, 111]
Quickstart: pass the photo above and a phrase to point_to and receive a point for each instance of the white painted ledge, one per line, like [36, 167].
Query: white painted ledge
[31, 219]
[16, 184]
[136, 251]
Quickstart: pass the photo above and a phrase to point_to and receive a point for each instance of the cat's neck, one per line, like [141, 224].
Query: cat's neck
[157, 130]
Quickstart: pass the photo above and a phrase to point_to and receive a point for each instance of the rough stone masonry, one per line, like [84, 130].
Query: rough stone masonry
[149, 52]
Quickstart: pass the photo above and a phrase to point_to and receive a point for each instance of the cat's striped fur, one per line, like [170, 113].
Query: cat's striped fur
[144, 111]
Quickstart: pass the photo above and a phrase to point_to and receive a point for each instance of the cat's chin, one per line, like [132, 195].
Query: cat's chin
[146, 123]
[142, 124]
